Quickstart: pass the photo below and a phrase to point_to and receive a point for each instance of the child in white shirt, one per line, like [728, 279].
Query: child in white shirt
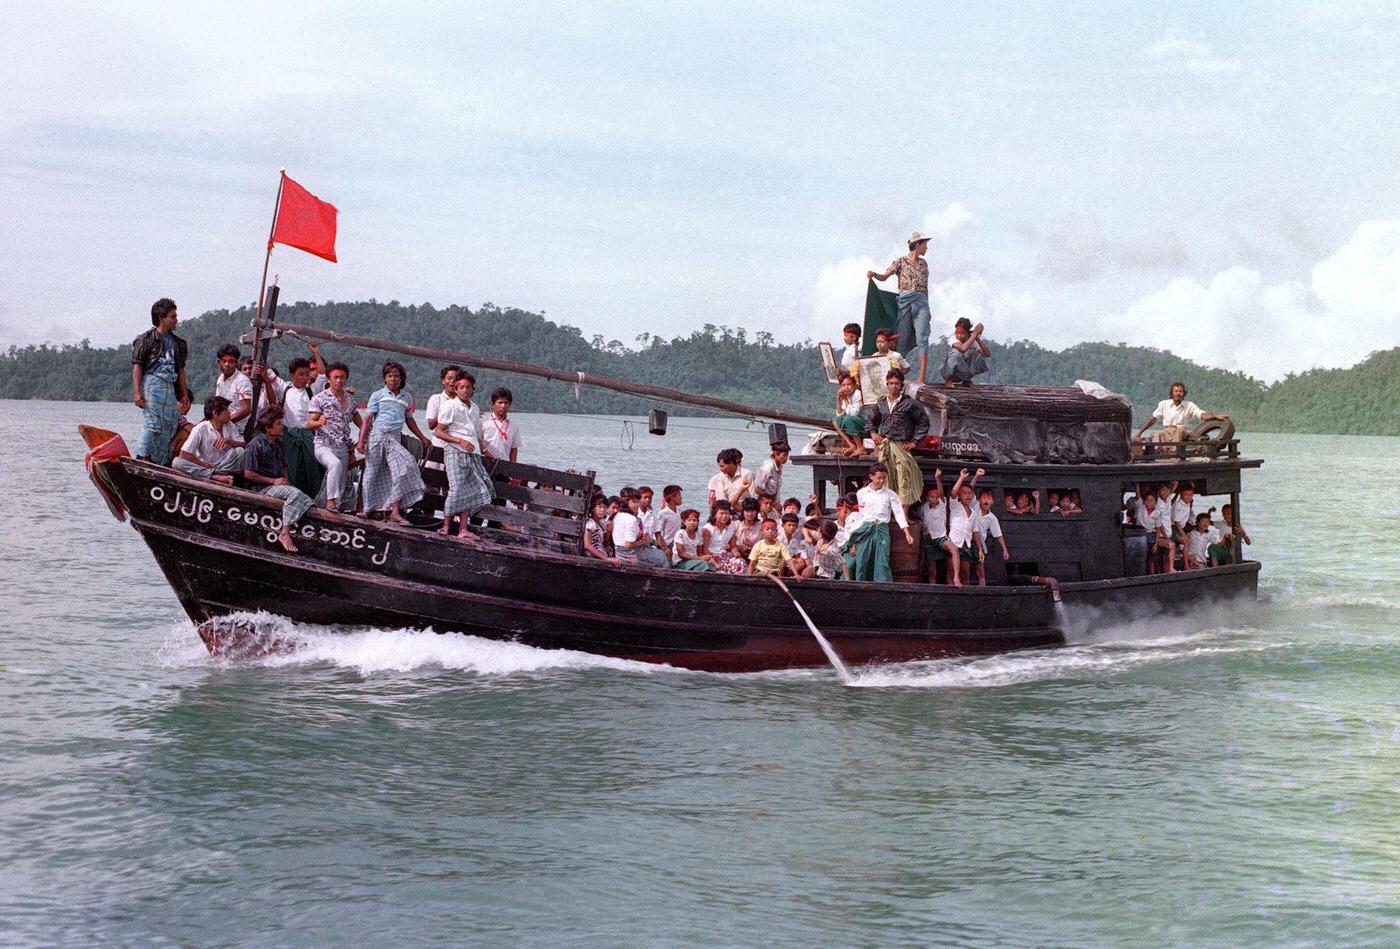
[870, 543]
[500, 437]
[848, 421]
[688, 545]
[1198, 543]
[963, 521]
[989, 528]
[933, 514]
[849, 355]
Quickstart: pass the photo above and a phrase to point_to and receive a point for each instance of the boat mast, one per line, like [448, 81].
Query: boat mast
[544, 372]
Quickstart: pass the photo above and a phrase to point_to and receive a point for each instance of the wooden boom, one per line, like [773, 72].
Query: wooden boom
[577, 378]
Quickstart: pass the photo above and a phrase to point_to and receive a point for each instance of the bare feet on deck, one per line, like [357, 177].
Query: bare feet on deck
[222, 479]
[398, 519]
[285, 539]
[465, 534]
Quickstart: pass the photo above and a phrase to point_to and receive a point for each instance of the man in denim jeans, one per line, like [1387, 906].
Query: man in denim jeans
[912, 322]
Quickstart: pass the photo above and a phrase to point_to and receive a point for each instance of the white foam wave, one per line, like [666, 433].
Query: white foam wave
[371, 651]
[1351, 599]
[1069, 662]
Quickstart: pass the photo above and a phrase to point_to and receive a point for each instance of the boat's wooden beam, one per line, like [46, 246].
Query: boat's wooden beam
[576, 378]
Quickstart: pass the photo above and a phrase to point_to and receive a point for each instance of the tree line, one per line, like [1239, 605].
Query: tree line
[713, 360]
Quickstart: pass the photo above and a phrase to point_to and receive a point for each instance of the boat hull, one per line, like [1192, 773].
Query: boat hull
[217, 548]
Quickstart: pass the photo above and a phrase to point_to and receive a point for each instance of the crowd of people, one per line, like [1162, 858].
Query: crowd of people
[301, 450]
[1179, 537]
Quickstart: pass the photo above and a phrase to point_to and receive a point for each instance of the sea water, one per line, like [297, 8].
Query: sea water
[1232, 778]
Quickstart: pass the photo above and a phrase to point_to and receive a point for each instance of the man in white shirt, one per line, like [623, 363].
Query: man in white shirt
[870, 542]
[733, 480]
[1157, 519]
[769, 479]
[232, 384]
[1177, 416]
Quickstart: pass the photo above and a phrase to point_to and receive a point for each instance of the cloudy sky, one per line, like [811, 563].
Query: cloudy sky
[1217, 179]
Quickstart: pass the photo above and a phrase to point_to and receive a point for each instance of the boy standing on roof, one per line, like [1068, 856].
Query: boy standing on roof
[912, 321]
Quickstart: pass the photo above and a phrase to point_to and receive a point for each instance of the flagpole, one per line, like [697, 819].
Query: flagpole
[259, 346]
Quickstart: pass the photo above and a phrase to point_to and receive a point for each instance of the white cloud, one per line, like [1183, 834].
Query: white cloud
[941, 225]
[840, 297]
[1176, 51]
[970, 295]
[1349, 307]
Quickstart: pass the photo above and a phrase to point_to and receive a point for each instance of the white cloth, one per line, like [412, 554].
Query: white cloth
[722, 486]
[962, 524]
[880, 506]
[463, 420]
[295, 402]
[649, 520]
[668, 521]
[852, 404]
[719, 539]
[1198, 541]
[499, 437]
[768, 480]
[988, 526]
[1156, 518]
[435, 402]
[1181, 512]
[849, 355]
[625, 529]
[202, 438]
[843, 533]
[935, 519]
[796, 545]
[1187, 414]
[236, 388]
[686, 547]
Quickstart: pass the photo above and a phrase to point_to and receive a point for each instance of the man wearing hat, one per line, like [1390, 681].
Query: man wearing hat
[912, 322]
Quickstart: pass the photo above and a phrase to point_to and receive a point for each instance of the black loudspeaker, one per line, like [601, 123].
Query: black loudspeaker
[777, 433]
[656, 422]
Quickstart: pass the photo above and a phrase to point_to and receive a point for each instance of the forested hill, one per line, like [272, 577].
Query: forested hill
[712, 360]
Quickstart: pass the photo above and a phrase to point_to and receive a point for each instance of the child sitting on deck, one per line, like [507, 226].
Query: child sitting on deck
[870, 542]
[1200, 542]
[768, 555]
[595, 530]
[1229, 533]
[265, 470]
[688, 545]
[718, 535]
[1153, 518]
[848, 422]
[792, 537]
[630, 544]
[749, 528]
[830, 565]
[668, 519]
[214, 449]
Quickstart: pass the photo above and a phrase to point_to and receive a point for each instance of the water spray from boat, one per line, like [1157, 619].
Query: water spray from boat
[831, 654]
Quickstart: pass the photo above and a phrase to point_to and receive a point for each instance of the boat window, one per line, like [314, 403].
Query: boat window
[1020, 501]
[1064, 501]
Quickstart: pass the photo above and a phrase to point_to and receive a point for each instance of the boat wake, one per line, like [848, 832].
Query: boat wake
[270, 641]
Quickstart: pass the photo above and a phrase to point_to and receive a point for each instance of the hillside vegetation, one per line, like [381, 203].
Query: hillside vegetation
[712, 360]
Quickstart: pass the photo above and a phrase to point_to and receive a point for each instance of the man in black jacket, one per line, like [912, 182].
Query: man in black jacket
[158, 382]
[897, 424]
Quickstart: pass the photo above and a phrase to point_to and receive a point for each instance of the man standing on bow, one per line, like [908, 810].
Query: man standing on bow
[1177, 416]
[913, 319]
[158, 382]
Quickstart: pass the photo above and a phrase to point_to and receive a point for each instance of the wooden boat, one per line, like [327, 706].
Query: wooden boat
[527, 579]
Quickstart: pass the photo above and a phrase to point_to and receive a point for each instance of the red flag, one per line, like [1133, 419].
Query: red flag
[304, 221]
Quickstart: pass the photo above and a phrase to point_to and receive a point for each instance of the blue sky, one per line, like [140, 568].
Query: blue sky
[1220, 180]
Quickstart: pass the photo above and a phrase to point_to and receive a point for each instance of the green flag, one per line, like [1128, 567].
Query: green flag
[881, 309]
